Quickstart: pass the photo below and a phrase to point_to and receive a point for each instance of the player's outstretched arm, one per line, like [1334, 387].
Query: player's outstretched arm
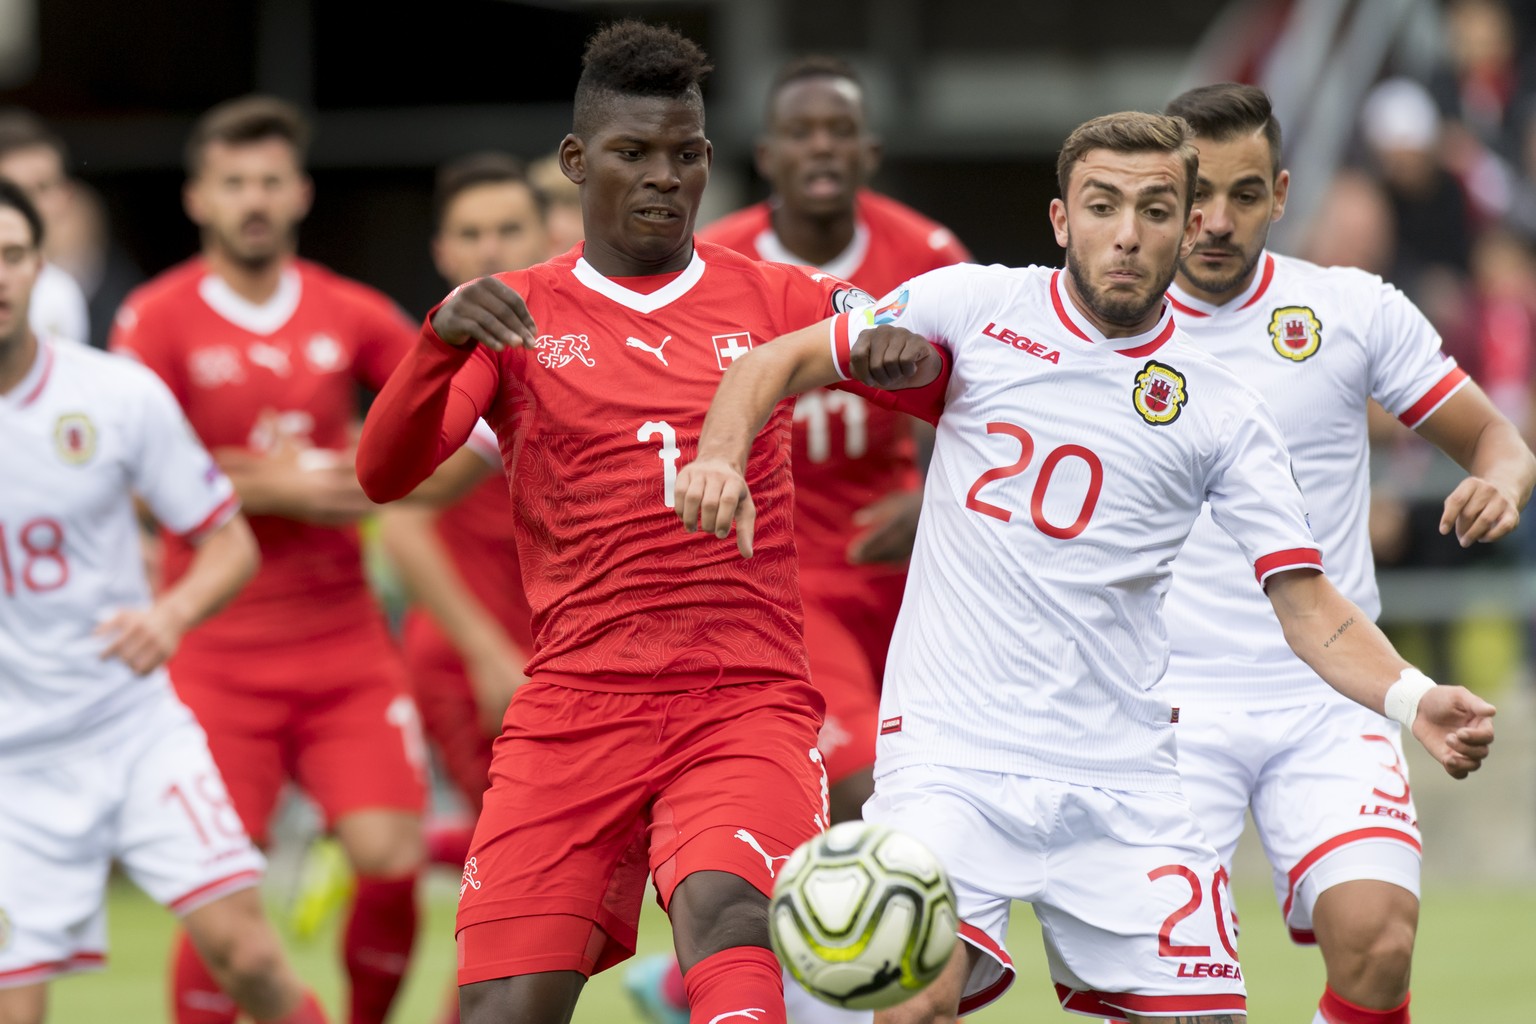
[1500, 467]
[1343, 646]
[711, 492]
[429, 405]
[225, 560]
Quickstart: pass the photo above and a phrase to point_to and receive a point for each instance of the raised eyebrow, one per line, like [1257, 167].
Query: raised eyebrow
[1103, 186]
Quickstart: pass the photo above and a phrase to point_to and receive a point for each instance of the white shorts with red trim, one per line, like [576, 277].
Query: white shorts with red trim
[151, 801]
[1328, 788]
[1132, 901]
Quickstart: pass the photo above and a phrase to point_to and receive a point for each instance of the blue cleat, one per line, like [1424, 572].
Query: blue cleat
[643, 983]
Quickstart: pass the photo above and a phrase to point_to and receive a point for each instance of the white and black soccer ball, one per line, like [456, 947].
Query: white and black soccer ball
[863, 916]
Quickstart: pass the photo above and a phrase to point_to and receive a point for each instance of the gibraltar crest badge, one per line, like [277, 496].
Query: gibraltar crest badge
[1295, 332]
[1160, 393]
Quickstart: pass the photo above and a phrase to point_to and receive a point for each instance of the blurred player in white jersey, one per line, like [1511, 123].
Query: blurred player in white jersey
[99, 761]
[34, 158]
[1079, 434]
[1324, 778]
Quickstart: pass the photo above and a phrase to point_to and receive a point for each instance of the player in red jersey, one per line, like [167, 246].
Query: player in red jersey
[857, 487]
[667, 725]
[468, 635]
[298, 678]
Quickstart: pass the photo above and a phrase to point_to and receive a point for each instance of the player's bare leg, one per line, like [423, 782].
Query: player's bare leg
[386, 849]
[1365, 930]
[720, 929]
[548, 997]
[242, 951]
[24, 1004]
[939, 1003]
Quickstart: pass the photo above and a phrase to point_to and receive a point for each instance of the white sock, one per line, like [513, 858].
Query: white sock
[1319, 1018]
[805, 1008]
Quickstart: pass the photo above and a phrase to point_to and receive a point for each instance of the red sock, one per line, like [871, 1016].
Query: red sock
[449, 844]
[307, 1012]
[743, 981]
[195, 996]
[377, 945]
[673, 989]
[1338, 1010]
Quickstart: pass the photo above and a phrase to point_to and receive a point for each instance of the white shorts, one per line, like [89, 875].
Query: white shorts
[152, 801]
[1328, 788]
[1132, 902]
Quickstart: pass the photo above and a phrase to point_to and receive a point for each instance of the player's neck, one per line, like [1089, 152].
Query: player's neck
[16, 358]
[256, 283]
[816, 240]
[610, 262]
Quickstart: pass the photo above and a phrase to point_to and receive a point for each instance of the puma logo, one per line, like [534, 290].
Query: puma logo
[751, 840]
[654, 350]
[750, 1014]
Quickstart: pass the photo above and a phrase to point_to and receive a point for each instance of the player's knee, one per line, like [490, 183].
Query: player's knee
[712, 911]
[383, 844]
[23, 1005]
[927, 1007]
[1381, 963]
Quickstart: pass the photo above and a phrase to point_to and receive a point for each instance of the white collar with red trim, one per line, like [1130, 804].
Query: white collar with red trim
[641, 302]
[1135, 346]
[1188, 305]
[31, 385]
[844, 265]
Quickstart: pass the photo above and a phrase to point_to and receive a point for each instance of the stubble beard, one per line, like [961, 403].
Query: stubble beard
[1120, 312]
[1220, 285]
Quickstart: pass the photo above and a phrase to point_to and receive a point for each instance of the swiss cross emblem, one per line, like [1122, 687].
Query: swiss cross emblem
[731, 347]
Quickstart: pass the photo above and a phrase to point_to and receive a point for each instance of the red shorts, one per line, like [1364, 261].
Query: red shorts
[337, 718]
[449, 715]
[591, 791]
[849, 614]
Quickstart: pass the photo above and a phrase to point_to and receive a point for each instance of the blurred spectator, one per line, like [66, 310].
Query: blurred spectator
[81, 243]
[562, 215]
[1479, 86]
[1402, 133]
[33, 157]
[1354, 226]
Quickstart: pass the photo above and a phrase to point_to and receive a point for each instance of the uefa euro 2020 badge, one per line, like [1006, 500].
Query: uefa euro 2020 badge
[1295, 332]
[1160, 393]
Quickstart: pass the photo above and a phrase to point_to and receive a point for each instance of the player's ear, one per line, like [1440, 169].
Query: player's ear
[874, 150]
[1059, 222]
[573, 159]
[1282, 189]
[307, 194]
[191, 202]
[1191, 232]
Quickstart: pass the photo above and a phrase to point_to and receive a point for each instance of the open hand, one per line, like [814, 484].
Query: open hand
[1456, 726]
[710, 495]
[1478, 511]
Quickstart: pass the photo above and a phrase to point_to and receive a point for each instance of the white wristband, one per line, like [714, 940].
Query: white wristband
[1403, 696]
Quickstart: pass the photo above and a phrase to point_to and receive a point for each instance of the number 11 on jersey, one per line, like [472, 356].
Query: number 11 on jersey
[669, 455]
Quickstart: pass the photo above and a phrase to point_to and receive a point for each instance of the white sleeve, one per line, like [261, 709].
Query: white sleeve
[1254, 496]
[174, 474]
[923, 305]
[484, 443]
[59, 309]
[1411, 376]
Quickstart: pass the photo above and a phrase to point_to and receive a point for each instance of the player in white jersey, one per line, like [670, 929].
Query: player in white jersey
[98, 760]
[1079, 434]
[1324, 779]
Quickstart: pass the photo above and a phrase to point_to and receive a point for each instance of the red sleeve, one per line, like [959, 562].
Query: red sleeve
[423, 414]
[384, 337]
[133, 336]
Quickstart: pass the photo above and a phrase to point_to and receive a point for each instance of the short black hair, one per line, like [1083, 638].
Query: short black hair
[810, 66]
[467, 172]
[632, 58]
[247, 119]
[12, 195]
[22, 129]
[1227, 110]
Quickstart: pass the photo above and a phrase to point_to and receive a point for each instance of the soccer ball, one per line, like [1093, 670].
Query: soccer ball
[863, 916]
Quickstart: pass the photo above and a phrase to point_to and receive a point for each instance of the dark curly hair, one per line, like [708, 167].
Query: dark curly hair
[632, 58]
[1229, 110]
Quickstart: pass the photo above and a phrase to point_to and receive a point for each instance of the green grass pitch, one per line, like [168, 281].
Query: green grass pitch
[1473, 964]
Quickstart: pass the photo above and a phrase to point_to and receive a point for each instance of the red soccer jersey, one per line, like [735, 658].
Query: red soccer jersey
[847, 452]
[477, 531]
[594, 424]
[253, 377]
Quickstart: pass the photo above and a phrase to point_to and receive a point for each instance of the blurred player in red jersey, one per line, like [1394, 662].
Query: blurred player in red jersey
[667, 725]
[298, 678]
[468, 636]
[98, 760]
[857, 489]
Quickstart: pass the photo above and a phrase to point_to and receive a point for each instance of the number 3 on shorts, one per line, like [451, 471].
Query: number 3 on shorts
[1219, 882]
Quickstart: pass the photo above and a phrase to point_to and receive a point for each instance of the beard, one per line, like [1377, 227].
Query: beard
[253, 255]
[1120, 310]
[1219, 284]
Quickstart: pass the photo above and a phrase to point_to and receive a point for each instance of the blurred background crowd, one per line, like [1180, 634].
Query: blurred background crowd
[1410, 131]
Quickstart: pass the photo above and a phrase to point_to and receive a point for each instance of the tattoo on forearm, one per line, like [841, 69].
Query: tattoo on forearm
[1339, 632]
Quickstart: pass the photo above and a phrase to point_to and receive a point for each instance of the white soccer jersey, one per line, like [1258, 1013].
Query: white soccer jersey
[84, 433]
[58, 308]
[1067, 472]
[1316, 343]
